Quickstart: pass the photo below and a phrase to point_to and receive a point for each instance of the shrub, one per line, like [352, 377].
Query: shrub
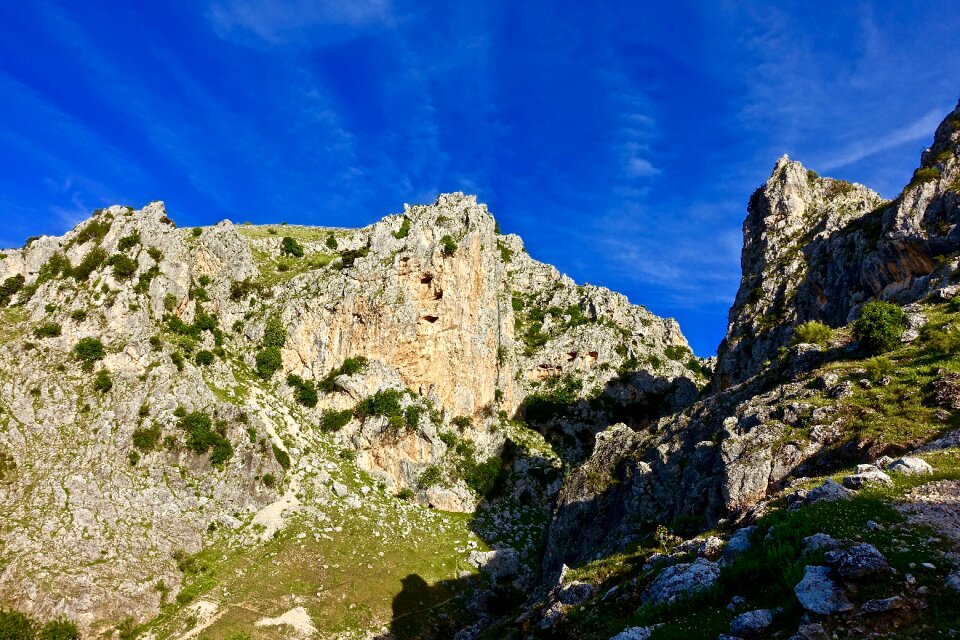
[482, 477]
[169, 302]
[129, 242]
[177, 359]
[94, 230]
[290, 247]
[240, 289]
[331, 242]
[812, 332]
[348, 257]
[944, 340]
[16, 626]
[556, 399]
[133, 457]
[155, 253]
[878, 367]
[201, 437]
[335, 420]
[204, 358]
[88, 351]
[383, 403]
[304, 391]
[283, 459]
[463, 422]
[404, 229]
[79, 315]
[430, 477]
[274, 333]
[10, 287]
[269, 480]
[269, 362]
[58, 264]
[405, 494]
[196, 231]
[47, 330]
[90, 263]
[879, 326]
[448, 246]
[123, 266]
[676, 352]
[102, 381]
[59, 629]
[349, 367]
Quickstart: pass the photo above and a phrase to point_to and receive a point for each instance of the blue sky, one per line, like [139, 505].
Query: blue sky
[620, 139]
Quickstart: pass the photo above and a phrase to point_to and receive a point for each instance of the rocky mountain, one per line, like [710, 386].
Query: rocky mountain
[415, 430]
[165, 388]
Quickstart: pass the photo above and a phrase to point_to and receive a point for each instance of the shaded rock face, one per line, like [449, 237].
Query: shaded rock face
[817, 249]
[441, 306]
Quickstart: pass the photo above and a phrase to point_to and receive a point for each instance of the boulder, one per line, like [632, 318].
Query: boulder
[811, 631]
[635, 633]
[818, 593]
[499, 563]
[683, 579]
[829, 491]
[752, 624]
[866, 474]
[738, 543]
[883, 605]
[859, 561]
[910, 466]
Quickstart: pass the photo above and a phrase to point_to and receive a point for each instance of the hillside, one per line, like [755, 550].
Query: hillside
[195, 421]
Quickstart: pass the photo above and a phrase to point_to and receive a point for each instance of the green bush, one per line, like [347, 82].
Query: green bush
[559, 396]
[304, 391]
[269, 361]
[404, 229]
[79, 315]
[16, 626]
[405, 494]
[88, 351]
[59, 629]
[290, 247]
[146, 438]
[241, 289]
[463, 422]
[677, 352]
[201, 437]
[879, 326]
[90, 263]
[47, 330]
[177, 359]
[332, 420]
[348, 257]
[943, 340]
[812, 332]
[196, 231]
[430, 477]
[350, 366]
[95, 230]
[448, 246]
[102, 381]
[283, 459]
[878, 367]
[269, 480]
[10, 287]
[204, 358]
[129, 242]
[923, 175]
[133, 457]
[155, 253]
[483, 477]
[274, 333]
[331, 242]
[123, 266]
[383, 403]
[58, 264]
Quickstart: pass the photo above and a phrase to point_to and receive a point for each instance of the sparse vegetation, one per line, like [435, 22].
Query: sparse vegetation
[404, 229]
[350, 366]
[90, 263]
[448, 246]
[204, 358]
[146, 439]
[304, 391]
[129, 242]
[812, 332]
[10, 287]
[89, 351]
[269, 361]
[123, 266]
[48, 330]
[102, 382]
[201, 437]
[332, 420]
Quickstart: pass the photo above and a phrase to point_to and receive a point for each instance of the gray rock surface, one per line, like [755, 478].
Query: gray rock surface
[910, 466]
[818, 593]
[752, 624]
[859, 561]
[682, 580]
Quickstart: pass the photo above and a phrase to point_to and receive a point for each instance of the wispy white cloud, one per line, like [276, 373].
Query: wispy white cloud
[920, 129]
[277, 22]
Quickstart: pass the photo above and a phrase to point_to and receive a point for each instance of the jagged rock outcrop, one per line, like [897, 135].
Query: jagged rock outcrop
[817, 249]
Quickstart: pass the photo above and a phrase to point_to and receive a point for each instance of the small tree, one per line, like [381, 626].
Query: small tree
[879, 326]
[448, 246]
[88, 351]
[102, 382]
[331, 242]
[269, 362]
[290, 247]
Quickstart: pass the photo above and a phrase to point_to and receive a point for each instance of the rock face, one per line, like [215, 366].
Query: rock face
[226, 351]
[681, 580]
[818, 592]
[817, 249]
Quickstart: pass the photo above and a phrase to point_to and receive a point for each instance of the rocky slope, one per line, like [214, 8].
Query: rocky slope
[164, 388]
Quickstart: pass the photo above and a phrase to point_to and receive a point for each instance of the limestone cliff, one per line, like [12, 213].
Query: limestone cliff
[162, 384]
